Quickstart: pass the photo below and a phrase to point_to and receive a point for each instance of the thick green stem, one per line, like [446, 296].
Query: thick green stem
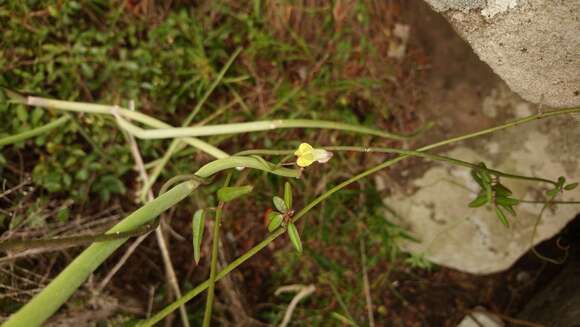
[133, 115]
[35, 131]
[45, 304]
[266, 125]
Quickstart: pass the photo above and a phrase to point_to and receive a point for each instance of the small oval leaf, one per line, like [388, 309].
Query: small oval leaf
[295, 237]
[198, 225]
[570, 186]
[275, 220]
[279, 204]
[229, 193]
[288, 195]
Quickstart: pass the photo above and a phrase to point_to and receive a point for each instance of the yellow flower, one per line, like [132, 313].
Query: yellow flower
[307, 155]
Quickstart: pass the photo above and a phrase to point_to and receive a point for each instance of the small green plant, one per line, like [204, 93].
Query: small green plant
[281, 221]
[177, 68]
[282, 217]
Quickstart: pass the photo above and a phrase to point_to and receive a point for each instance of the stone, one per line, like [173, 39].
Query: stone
[533, 45]
[481, 318]
[435, 209]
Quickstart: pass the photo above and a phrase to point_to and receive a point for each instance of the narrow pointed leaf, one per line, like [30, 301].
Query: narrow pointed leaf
[275, 219]
[295, 237]
[476, 177]
[198, 225]
[229, 193]
[480, 200]
[288, 195]
[279, 204]
[501, 216]
[509, 209]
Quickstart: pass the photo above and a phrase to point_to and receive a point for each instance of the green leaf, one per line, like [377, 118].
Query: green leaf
[501, 216]
[477, 177]
[505, 201]
[488, 192]
[570, 186]
[501, 190]
[288, 195]
[294, 237]
[561, 181]
[275, 219]
[484, 174]
[229, 193]
[553, 192]
[198, 225]
[480, 200]
[279, 204]
[509, 209]
[267, 166]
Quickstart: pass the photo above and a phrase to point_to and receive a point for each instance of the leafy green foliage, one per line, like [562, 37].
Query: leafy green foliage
[493, 192]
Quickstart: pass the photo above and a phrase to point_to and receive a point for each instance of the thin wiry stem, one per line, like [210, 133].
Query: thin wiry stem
[413, 153]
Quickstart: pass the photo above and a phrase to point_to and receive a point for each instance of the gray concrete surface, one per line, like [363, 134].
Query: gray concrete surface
[534, 45]
[435, 209]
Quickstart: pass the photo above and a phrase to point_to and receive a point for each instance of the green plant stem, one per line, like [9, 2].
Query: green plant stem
[266, 125]
[257, 248]
[45, 304]
[214, 259]
[92, 108]
[35, 131]
[420, 154]
[175, 143]
[200, 177]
